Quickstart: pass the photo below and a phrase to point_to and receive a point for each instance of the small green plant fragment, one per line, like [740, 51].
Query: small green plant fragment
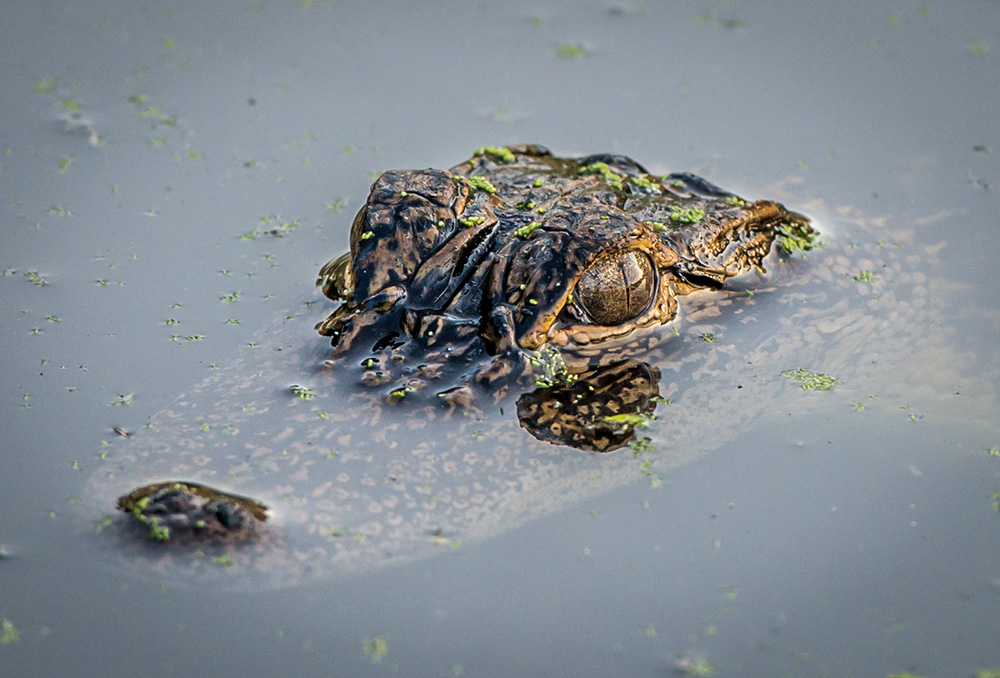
[813, 381]
[470, 222]
[995, 496]
[64, 163]
[903, 675]
[866, 276]
[8, 632]
[640, 446]
[499, 152]
[230, 298]
[481, 184]
[525, 231]
[635, 419]
[376, 648]
[603, 170]
[225, 560]
[893, 20]
[569, 50]
[924, 10]
[302, 392]
[993, 452]
[400, 393]
[550, 369]
[733, 200]
[701, 667]
[644, 185]
[36, 279]
[977, 48]
[988, 673]
[336, 205]
[708, 337]
[125, 399]
[70, 104]
[689, 215]
[858, 406]
[46, 85]
[157, 532]
[797, 236]
[194, 155]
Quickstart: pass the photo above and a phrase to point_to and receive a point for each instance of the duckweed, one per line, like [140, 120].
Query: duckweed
[376, 648]
[797, 237]
[689, 215]
[8, 632]
[644, 184]
[550, 368]
[469, 222]
[499, 152]
[813, 381]
[481, 184]
[525, 231]
[605, 172]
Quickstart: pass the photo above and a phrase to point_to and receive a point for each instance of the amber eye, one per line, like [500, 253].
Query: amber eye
[616, 288]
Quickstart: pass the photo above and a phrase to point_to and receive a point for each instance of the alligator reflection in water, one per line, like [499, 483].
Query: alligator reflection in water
[598, 411]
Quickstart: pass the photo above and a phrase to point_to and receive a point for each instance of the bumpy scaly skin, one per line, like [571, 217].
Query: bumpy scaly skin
[182, 513]
[500, 253]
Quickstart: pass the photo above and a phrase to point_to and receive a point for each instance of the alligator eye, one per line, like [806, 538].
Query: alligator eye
[616, 288]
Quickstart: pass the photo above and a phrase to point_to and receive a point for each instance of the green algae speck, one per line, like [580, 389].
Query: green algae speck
[813, 381]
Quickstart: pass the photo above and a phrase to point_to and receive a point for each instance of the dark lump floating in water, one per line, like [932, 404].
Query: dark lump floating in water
[181, 512]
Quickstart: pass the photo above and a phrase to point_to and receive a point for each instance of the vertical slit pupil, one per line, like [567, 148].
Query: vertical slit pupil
[616, 288]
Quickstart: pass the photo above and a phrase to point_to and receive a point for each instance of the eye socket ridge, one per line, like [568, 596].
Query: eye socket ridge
[617, 288]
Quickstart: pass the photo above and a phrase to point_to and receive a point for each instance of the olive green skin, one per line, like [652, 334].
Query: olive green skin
[571, 253]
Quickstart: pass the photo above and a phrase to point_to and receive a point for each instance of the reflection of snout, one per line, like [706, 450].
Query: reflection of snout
[598, 412]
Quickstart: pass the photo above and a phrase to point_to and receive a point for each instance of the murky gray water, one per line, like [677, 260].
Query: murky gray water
[793, 532]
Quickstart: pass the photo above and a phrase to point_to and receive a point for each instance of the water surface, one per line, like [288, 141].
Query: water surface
[802, 535]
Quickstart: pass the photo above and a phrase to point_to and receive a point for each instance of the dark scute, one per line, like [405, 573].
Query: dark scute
[696, 186]
[619, 163]
[617, 288]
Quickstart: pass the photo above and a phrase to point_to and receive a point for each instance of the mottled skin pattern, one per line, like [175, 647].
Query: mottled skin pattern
[182, 513]
[516, 249]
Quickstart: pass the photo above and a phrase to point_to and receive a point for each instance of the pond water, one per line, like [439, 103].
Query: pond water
[762, 530]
